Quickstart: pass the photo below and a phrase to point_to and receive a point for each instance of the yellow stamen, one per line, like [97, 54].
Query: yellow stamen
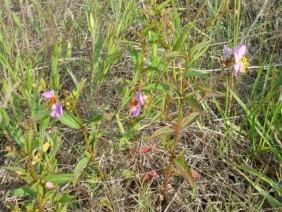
[244, 62]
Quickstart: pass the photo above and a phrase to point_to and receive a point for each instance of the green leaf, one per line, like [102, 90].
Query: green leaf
[5, 116]
[184, 169]
[64, 209]
[179, 42]
[199, 49]
[91, 22]
[39, 115]
[59, 178]
[186, 121]
[17, 20]
[43, 126]
[120, 125]
[78, 89]
[69, 120]
[174, 54]
[28, 83]
[133, 54]
[66, 198]
[79, 168]
[129, 134]
[96, 118]
[160, 132]
[194, 103]
[157, 86]
[162, 5]
[23, 191]
[14, 169]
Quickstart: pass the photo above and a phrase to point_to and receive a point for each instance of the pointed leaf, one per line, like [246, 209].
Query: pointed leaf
[160, 132]
[189, 120]
[194, 103]
[23, 191]
[59, 178]
[66, 198]
[79, 168]
[15, 169]
[4, 115]
[174, 54]
[69, 120]
[184, 169]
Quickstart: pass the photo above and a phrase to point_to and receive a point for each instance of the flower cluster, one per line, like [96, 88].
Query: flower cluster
[57, 107]
[136, 104]
[236, 58]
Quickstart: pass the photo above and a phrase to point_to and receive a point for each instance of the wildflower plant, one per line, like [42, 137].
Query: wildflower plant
[163, 93]
[165, 79]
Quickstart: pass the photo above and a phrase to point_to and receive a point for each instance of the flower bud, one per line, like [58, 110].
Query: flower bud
[49, 185]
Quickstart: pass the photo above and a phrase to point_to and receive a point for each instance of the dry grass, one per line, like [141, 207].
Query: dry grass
[209, 147]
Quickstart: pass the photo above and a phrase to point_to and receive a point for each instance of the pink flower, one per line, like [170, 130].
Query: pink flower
[57, 108]
[139, 98]
[236, 57]
[239, 52]
[48, 94]
[136, 104]
[49, 185]
[136, 110]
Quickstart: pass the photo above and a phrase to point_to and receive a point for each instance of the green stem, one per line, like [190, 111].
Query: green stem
[101, 173]
[177, 135]
[89, 149]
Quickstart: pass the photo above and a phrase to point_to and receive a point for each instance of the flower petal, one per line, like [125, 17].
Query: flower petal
[48, 94]
[136, 110]
[236, 58]
[227, 52]
[236, 69]
[240, 50]
[139, 98]
[57, 110]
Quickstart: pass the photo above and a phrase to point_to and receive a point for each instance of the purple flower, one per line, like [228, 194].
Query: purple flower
[136, 110]
[57, 110]
[57, 107]
[239, 53]
[139, 98]
[49, 185]
[136, 104]
[236, 57]
[48, 94]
